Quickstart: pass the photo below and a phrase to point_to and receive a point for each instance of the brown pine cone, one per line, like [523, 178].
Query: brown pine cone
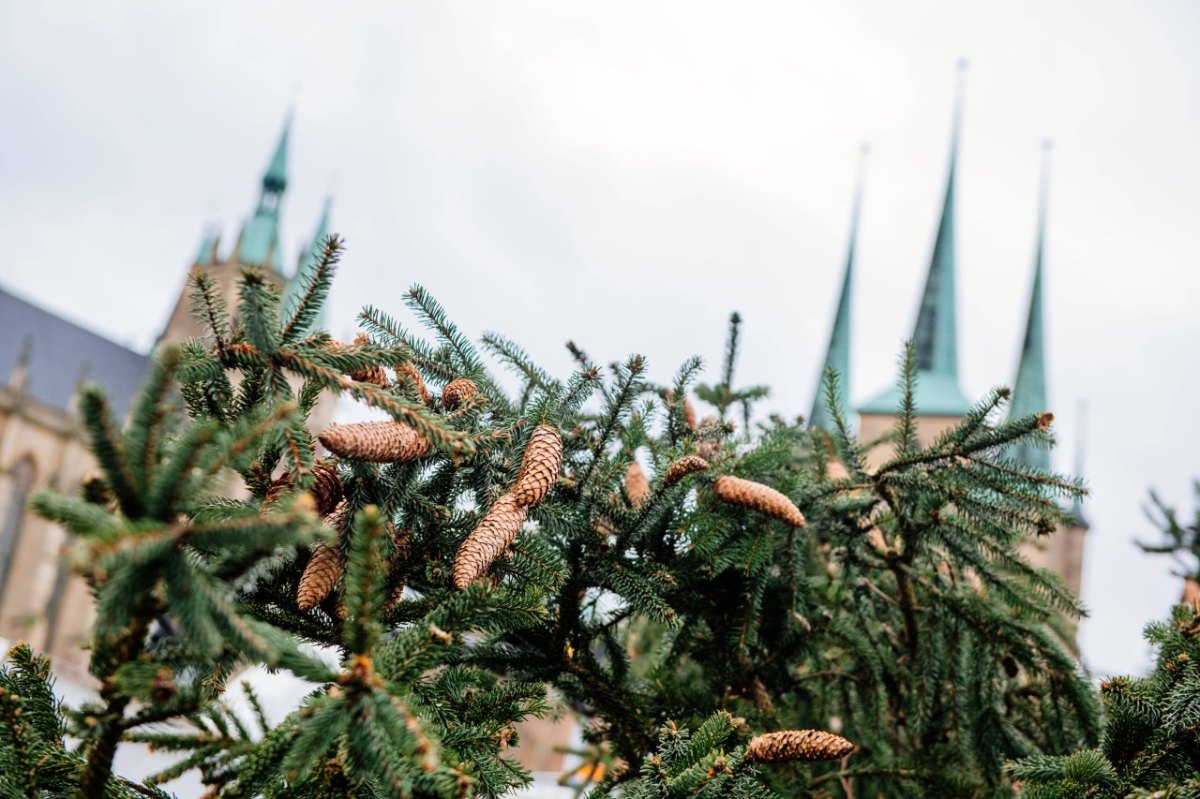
[681, 468]
[458, 391]
[637, 487]
[377, 442]
[320, 575]
[689, 410]
[374, 374]
[708, 449]
[539, 465]
[336, 519]
[326, 488]
[409, 372]
[764, 499]
[278, 486]
[497, 529]
[792, 745]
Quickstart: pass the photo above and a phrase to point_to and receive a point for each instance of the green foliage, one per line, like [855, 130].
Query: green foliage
[1150, 746]
[673, 627]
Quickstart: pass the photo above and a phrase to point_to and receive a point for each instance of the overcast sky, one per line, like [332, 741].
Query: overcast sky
[626, 174]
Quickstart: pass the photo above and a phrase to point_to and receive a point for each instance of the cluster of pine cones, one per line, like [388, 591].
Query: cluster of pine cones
[392, 441]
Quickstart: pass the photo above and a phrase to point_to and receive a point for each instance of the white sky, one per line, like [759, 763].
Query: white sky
[626, 174]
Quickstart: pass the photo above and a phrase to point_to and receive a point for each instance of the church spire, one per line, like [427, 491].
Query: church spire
[1029, 389]
[275, 179]
[935, 335]
[208, 244]
[307, 263]
[258, 243]
[837, 356]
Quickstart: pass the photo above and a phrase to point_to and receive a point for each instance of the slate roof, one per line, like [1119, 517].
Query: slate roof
[60, 352]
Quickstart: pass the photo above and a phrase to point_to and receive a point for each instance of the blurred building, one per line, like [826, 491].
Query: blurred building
[939, 399]
[44, 360]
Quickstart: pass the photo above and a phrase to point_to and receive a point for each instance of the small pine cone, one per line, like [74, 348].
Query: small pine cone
[375, 374]
[637, 487]
[539, 466]
[336, 519]
[1044, 421]
[402, 540]
[326, 488]
[688, 464]
[320, 575]
[279, 486]
[689, 410]
[377, 442]
[764, 499]
[395, 599]
[409, 372]
[497, 529]
[708, 449]
[1191, 594]
[458, 391]
[793, 745]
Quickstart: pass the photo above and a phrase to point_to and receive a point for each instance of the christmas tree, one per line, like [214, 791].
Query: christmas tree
[726, 609]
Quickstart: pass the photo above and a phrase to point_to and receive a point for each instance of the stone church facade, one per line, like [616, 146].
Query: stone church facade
[44, 360]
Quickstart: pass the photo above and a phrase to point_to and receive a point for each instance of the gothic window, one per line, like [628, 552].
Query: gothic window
[14, 515]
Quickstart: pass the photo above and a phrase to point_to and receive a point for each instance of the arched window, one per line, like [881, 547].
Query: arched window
[14, 516]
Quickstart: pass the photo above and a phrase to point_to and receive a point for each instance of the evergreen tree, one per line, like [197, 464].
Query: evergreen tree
[1151, 741]
[727, 614]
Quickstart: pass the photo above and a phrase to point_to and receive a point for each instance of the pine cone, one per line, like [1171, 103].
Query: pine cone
[708, 449]
[377, 442]
[688, 464]
[539, 466]
[637, 487]
[792, 745]
[336, 519]
[497, 529]
[326, 488]
[1191, 594]
[320, 575]
[689, 410]
[458, 391]
[764, 499]
[278, 486]
[374, 374]
[409, 372]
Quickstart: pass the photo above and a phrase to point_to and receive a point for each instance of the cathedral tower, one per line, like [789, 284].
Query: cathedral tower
[1063, 551]
[939, 399]
[837, 355]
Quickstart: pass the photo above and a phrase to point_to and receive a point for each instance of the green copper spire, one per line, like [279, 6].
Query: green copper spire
[837, 356]
[306, 264]
[208, 242]
[935, 335]
[1029, 390]
[275, 180]
[258, 244]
